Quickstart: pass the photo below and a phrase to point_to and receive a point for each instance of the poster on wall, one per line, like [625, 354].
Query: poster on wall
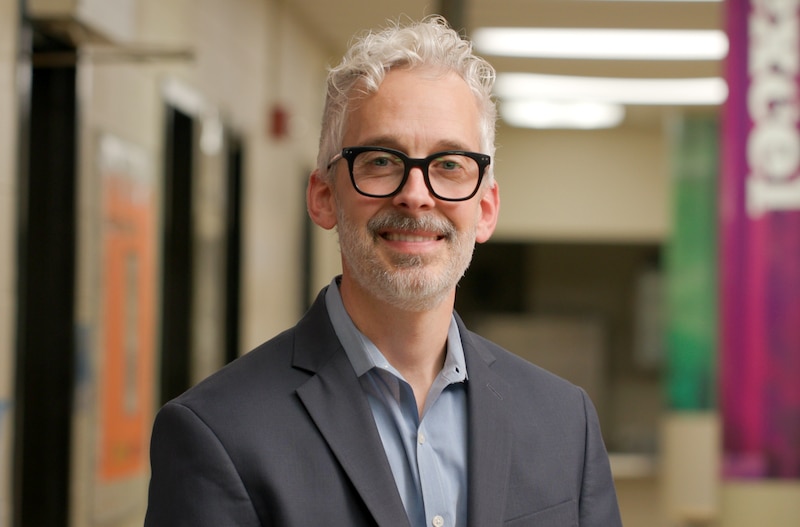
[128, 316]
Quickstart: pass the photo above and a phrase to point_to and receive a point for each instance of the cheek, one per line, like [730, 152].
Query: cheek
[468, 220]
[355, 212]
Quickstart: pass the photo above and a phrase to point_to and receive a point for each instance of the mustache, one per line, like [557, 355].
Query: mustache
[394, 220]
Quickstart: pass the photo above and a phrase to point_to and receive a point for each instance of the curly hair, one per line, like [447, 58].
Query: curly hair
[429, 43]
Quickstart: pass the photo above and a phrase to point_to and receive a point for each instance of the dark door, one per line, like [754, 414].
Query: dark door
[176, 291]
[45, 362]
[234, 248]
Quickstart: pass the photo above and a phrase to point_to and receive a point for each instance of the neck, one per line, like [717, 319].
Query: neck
[414, 342]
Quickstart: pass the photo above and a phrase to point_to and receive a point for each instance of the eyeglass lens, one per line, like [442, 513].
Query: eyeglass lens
[380, 173]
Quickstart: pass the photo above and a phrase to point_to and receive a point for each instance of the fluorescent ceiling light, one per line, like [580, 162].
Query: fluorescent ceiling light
[545, 114]
[700, 91]
[612, 44]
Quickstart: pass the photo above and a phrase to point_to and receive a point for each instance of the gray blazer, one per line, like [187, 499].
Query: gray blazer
[284, 437]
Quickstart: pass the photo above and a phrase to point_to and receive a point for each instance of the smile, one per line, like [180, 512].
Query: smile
[414, 238]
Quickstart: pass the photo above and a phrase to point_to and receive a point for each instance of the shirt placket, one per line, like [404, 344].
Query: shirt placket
[435, 503]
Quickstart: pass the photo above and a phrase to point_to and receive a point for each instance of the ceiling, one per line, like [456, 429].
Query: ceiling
[335, 22]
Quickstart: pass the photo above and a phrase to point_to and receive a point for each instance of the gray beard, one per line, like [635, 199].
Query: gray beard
[407, 283]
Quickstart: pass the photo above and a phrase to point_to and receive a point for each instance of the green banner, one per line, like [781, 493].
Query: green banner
[691, 267]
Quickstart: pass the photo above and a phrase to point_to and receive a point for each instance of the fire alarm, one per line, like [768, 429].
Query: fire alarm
[279, 122]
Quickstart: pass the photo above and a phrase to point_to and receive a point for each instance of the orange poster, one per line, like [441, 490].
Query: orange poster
[128, 310]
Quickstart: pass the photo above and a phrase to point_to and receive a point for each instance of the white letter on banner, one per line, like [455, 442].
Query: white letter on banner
[773, 146]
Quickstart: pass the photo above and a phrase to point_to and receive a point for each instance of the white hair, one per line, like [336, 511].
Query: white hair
[427, 43]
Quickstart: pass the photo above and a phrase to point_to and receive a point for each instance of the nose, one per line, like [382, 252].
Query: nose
[415, 193]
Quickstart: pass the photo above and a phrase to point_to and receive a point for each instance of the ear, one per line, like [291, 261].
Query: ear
[489, 211]
[320, 201]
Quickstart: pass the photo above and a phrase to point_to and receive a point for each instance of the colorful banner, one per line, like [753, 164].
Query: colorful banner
[760, 242]
[128, 310]
[691, 267]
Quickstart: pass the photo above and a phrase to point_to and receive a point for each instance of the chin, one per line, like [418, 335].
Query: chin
[415, 289]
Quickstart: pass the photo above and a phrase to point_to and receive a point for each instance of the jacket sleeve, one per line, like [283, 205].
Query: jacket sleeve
[598, 503]
[193, 480]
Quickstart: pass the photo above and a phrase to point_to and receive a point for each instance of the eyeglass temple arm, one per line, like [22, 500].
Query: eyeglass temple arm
[334, 159]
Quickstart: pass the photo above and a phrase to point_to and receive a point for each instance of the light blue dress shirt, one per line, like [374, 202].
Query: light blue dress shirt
[428, 453]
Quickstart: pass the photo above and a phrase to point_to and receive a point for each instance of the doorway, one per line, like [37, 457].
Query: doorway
[46, 350]
[177, 274]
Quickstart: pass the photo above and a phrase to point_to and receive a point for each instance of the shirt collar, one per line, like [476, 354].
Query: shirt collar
[364, 355]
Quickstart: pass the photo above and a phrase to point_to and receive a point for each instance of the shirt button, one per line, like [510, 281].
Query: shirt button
[438, 521]
[421, 441]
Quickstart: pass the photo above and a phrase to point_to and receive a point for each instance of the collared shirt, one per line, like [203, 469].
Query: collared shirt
[428, 453]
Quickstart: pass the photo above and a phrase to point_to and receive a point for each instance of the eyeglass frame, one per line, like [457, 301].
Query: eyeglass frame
[349, 154]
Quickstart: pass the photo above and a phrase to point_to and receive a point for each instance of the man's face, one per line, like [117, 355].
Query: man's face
[411, 249]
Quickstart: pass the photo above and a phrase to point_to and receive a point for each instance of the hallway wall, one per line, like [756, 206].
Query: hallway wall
[8, 211]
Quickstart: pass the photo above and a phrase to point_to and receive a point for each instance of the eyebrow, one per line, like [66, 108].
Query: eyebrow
[391, 141]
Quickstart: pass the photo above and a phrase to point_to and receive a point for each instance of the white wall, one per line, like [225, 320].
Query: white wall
[8, 142]
[246, 56]
[275, 201]
[600, 185]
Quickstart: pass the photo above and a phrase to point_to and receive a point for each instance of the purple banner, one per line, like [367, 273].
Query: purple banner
[760, 242]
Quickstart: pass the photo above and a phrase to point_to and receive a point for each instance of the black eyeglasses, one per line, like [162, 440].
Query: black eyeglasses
[380, 172]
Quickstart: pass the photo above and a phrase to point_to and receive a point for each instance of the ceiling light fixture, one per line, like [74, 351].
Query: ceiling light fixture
[699, 91]
[547, 114]
[602, 44]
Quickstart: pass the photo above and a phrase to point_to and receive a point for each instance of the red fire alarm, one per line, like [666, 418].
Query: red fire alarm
[279, 122]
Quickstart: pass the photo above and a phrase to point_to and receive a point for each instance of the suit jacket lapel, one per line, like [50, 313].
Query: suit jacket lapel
[490, 436]
[337, 405]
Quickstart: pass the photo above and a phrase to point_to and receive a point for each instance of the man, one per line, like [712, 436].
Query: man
[380, 407]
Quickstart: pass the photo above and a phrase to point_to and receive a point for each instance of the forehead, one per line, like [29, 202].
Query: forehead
[415, 107]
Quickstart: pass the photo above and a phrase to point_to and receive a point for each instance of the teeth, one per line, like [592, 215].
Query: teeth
[395, 237]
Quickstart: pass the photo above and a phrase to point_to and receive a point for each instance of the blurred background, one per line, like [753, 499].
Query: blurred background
[153, 162]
